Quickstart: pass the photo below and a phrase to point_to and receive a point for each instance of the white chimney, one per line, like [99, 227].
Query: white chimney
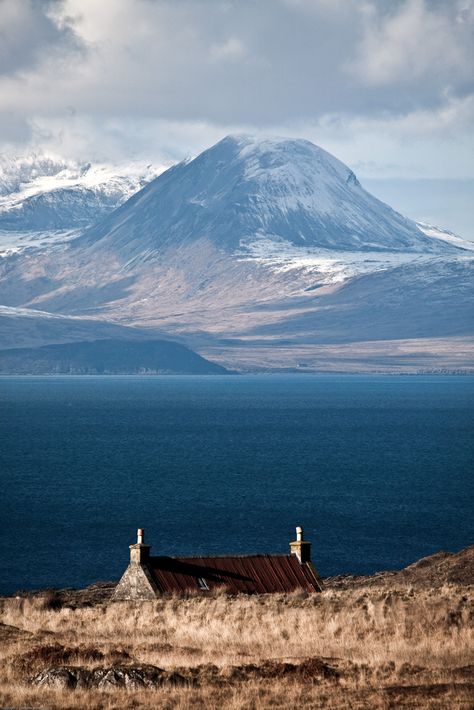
[301, 548]
[139, 552]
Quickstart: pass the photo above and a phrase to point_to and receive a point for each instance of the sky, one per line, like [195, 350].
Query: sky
[387, 86]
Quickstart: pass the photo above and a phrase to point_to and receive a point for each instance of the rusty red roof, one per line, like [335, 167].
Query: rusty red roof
[250, 574]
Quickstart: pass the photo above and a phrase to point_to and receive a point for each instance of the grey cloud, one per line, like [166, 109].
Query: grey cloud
[262, 62]
[386, 85]
[14, 128]
[28, 32]
[390, 78]
[418, 45]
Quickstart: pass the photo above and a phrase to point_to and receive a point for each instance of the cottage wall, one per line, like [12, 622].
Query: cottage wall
[136, 584]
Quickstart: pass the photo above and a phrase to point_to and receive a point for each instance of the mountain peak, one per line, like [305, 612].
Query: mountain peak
[275, 151]
[262, 142]
[247, 187]
[265, 141]
[279, 157]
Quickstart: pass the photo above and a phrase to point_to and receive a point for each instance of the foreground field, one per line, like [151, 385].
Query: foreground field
[381, 642]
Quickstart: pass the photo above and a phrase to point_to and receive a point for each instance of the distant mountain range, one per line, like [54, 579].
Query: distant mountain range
[39, 193]
[259, 253]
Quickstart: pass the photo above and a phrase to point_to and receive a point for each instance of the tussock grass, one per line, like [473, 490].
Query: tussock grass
[391, 648]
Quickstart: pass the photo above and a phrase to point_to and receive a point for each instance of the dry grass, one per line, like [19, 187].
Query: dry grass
[387, 648]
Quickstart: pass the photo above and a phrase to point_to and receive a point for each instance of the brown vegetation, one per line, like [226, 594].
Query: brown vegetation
[372, 646]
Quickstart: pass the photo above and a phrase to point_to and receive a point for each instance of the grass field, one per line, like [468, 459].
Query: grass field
[365, 647]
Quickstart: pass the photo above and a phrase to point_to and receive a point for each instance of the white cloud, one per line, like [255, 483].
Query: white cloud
[417, 41]
[386, 82]
[260, 62]
[233, 48]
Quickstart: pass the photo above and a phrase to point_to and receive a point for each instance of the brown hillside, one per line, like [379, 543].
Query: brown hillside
[433, 571]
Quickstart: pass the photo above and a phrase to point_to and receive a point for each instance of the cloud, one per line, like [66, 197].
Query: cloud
[14, 128]
[28, 32]
[263, 62]
[167, 77]
[429, 46]
[232, 48]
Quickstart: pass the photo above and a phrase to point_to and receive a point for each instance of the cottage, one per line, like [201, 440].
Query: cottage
[148, 577]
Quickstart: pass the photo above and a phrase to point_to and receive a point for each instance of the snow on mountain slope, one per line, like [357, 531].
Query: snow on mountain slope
[20, 170]
[330, 266]
[254, 244]
[420, 299]
[12, 242]
[244, 189]
[39, 192]
[444, 235]
[333, 266]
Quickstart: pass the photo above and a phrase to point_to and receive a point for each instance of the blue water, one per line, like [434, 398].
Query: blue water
[378, 470]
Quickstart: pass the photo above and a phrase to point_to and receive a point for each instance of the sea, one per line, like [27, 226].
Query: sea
[377, 469]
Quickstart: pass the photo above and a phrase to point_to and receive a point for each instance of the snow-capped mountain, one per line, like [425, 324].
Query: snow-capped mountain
[263, 254]
[40, 192]
[243, 191]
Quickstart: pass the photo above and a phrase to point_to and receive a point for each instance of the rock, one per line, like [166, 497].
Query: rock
[130, 677]
[61, 678]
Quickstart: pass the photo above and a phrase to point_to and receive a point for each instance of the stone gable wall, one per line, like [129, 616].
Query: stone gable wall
[136, 584]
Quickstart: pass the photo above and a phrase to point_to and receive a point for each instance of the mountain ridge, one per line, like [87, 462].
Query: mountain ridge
[46, 192]
[233, 254]
[243, 188]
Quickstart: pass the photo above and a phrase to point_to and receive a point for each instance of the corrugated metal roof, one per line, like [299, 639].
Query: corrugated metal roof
[252, 574]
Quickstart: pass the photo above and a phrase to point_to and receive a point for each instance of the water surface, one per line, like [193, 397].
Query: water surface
[376, 469]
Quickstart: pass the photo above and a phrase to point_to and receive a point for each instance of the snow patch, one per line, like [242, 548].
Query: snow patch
[14, 312]
[16, 242]
[326, 265]
[444, 235]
